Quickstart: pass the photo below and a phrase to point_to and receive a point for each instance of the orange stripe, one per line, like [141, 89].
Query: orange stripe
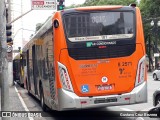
[90, 8]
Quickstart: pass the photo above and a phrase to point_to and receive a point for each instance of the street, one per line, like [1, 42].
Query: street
[105, 113]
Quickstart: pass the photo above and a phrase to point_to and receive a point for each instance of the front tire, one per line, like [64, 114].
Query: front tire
[43, 105]
[155, 76]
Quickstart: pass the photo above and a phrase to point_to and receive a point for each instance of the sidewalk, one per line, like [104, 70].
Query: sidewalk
[15, 103]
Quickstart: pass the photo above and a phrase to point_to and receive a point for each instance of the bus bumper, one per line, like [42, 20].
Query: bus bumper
[69, 100]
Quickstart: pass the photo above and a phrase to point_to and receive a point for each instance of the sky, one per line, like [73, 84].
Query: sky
[29, 21]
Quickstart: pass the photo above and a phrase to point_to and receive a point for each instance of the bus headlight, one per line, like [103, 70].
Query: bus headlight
[140, 72]
[64, 76]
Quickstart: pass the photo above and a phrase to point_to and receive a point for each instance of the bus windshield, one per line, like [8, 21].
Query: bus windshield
[99, 26]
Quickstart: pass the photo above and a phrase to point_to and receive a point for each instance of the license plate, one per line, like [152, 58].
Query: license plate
[104, 87]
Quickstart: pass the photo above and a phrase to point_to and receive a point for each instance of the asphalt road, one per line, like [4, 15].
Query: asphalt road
[108, 113]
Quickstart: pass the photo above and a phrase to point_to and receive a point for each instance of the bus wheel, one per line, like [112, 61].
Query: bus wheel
[43, 105]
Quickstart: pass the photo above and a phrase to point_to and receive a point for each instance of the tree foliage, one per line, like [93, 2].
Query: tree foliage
[104, 2]
[108, 2]
[150, 9]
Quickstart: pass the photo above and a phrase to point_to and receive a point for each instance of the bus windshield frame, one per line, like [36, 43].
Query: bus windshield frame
[99, 19]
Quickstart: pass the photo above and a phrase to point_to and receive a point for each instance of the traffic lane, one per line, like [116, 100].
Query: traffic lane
[14, 104]
[32, 103]
[95, 114]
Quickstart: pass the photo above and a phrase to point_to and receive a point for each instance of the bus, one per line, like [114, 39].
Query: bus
[18, 69]
[88, 57]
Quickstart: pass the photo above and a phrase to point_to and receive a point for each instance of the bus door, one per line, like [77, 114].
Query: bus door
[28, 72]
[34, 68]
[16, 69]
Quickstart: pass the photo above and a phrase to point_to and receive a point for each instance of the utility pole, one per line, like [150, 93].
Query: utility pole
[22, 22]
[10, 63]
[3, 61]
[20, 16]
[149, 54]
[156, 43]
[155, 23]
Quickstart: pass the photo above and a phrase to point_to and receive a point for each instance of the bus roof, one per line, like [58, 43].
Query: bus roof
[106, 7]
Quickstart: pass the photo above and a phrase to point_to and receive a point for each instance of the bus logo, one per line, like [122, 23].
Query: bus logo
[104, 79]
[89, 44]
[85, 88]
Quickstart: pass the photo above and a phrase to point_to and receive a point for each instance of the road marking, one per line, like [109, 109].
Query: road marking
[116, 108]
[23, 104]
[126, 109]
[139, 118]
[147, 109]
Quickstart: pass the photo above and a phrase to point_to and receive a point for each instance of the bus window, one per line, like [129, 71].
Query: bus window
[101, 25]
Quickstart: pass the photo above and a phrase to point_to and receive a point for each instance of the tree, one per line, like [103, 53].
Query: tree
[108, 2]
[91, 2]
[150, 9]
[105, 2]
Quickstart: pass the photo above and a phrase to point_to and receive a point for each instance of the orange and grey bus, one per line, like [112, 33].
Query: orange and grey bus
[88, 57]
[18, 69]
